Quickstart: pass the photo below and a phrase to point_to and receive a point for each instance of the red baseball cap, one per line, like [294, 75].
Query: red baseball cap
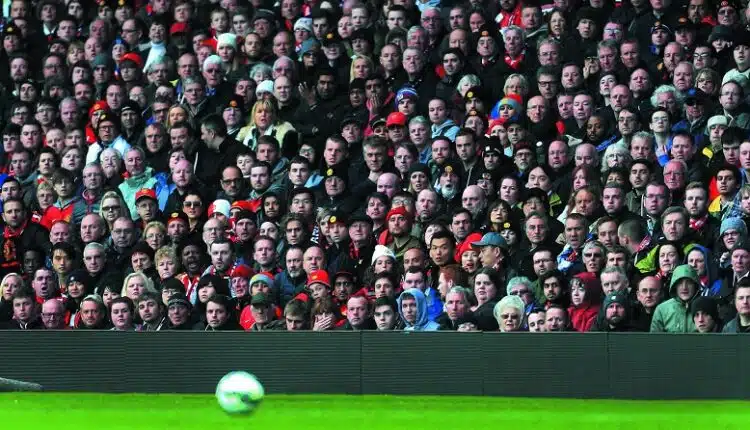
[145, 193]
[396, 118]
[319, 277]
[132, 56]
[98, 106]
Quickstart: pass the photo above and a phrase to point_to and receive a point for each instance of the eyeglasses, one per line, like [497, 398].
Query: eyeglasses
[519, 292]
[110, 208]
[50, 315]
[192, 204]
[592, 255]
[509, 316]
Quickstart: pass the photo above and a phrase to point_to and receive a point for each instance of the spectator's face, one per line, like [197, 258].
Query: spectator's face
[441, 251]
[356, 311]
[23, 309]
[740, 261]
[92, 228]
[245, 229]
[575, 232]
[260, 178]
[178, 314]
[582, 107]
[43, 283]
[221, 256]
[264, 253]
[556, 319]
[216, 314]
[414, 280]
[123, 233]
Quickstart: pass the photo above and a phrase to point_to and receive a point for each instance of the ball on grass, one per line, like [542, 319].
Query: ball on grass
[239, 393]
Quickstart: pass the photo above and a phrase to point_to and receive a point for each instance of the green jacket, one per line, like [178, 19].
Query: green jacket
[132, 185]
[673, 316]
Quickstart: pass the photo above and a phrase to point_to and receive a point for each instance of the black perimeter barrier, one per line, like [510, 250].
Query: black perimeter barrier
[579, 365]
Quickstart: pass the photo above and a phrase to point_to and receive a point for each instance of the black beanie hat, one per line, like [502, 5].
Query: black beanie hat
[707, 305]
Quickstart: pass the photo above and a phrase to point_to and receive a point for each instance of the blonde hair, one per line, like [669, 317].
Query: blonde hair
[173, 107]
[166, 252]
[124, 211]
[148, 284]
[522, 82]
[154, 224]
[263, 104]
[367, 60]
[5, 279]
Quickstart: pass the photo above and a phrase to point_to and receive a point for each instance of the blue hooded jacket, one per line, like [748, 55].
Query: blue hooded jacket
[714, 280]
[423, 323]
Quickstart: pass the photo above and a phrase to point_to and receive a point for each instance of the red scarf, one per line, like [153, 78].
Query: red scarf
[10, 232]
[697, 224]
[514, 63]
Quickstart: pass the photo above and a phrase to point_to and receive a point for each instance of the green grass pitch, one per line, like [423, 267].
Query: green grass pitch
[77, 411]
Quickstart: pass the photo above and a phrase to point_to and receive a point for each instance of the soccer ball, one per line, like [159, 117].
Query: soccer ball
[239, 393]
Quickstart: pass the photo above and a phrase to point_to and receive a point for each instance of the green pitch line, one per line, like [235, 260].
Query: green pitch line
[200, 412]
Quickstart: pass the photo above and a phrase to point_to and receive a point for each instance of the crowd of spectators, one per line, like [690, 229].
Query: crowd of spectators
[394, 165]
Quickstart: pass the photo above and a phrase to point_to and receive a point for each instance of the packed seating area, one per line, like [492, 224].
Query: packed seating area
[483, 165]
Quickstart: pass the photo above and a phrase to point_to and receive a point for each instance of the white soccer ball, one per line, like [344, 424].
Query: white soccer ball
[239, 393]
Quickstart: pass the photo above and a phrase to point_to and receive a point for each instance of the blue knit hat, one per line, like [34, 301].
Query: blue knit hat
[733, 223]
[406, 92]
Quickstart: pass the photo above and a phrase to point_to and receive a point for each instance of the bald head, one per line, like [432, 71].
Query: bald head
[387, 184]
[473, 199]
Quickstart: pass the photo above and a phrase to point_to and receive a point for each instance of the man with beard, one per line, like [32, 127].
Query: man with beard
[703, 228]
[523, 158]
[399, 238]
[449, 183]
[149, 307]
[615, 314]
[222, 258]
[475, 201]
[293, 278]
